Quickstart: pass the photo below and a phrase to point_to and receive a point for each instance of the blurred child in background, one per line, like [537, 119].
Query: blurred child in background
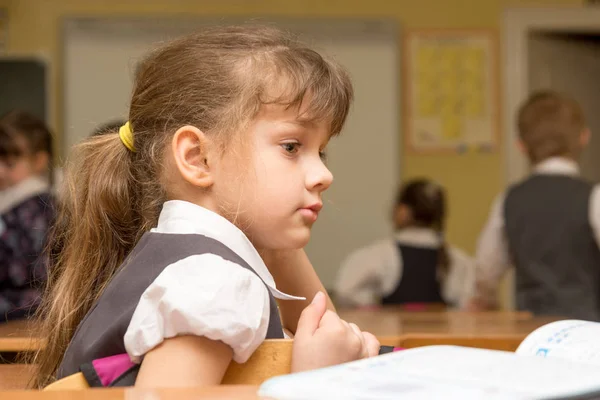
[26, 210]
[548, 225]
[415, 265]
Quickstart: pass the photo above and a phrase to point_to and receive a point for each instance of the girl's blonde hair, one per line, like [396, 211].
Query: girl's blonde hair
[215, 80]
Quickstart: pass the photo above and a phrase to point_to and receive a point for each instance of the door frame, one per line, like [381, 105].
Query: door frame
[518, 23]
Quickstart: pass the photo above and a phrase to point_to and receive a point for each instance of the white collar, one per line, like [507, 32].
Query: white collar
[557, 166]
[182, 217]
[22, 191]
[418, 237]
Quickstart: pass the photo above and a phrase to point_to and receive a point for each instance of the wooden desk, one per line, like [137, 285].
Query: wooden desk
[384, 322]
[15, 336]
[237, 392]
[388, 322]
[489, 330]
[14, 377]
[435, 316]
[508, 342]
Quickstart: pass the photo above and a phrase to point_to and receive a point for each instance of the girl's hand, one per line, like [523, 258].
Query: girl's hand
[323, 339]
[293, 274]
[371, 344]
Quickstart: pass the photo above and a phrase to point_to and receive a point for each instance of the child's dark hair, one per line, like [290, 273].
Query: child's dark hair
[34, 132]
[427, 203]
[217, 80]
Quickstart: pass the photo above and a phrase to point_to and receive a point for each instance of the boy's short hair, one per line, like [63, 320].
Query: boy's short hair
[550, 124]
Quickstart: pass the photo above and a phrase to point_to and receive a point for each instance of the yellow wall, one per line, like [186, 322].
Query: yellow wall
[472, 180]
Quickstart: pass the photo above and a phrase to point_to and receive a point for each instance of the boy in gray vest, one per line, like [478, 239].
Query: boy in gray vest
[548, 225]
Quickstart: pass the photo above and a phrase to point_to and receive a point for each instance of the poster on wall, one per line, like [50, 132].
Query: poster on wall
[451, 91]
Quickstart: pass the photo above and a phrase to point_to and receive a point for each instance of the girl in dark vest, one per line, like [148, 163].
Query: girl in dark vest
[413, 267]
[156, 276]
[26, 211]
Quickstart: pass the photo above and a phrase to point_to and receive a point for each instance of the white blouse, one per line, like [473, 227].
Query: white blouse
[205, 295]
[374, 271]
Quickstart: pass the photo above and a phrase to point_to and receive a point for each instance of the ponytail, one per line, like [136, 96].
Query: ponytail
[443, 259]
[96, 227]
[438, 198]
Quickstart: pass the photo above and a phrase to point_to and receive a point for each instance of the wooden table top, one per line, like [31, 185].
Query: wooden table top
[16, 336]
[13, 328]
[237, 392]
[15, 376]
[492, 328]
[443, 315]
[387, 322]
[383, 322]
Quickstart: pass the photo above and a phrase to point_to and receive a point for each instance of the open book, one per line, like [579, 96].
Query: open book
[560, 360]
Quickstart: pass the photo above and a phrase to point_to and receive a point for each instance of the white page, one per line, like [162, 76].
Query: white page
[571, 339]
[440, 372]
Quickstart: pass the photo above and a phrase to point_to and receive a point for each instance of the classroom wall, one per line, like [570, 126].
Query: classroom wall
[473, 180]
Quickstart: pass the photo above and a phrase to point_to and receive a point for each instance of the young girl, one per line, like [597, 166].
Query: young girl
[26, 211]
[415, 265]
[156, 244]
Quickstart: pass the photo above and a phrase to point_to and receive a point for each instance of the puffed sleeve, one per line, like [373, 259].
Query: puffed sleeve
[202, 295]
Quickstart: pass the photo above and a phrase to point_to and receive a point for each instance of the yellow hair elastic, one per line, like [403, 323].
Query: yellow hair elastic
[126, 136]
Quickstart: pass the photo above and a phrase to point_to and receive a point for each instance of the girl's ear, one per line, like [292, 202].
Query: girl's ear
[190, 148]
[522, 147]
[402, 216]
[584, 138]
[41, 161]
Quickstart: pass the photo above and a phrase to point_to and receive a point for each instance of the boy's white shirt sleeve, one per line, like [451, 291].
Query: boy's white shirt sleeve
[368, 273]
[492, 257]
[460, 283]
[201, 295]
[594, 211]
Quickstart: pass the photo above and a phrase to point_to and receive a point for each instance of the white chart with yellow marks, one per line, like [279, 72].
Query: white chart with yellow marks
[451, 96]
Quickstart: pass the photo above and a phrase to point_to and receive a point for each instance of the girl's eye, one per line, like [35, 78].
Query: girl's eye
[323, 156]
[9, 164]
[291, 148]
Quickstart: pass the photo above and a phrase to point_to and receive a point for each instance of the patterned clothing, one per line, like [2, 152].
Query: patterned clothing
[23, 230]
